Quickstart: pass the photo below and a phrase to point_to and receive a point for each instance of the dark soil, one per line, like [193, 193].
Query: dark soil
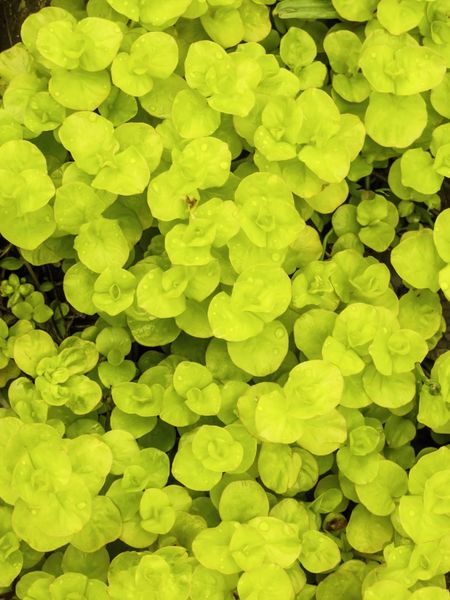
[12, 15]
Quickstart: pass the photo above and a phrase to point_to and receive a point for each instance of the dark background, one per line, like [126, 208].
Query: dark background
[12, 15]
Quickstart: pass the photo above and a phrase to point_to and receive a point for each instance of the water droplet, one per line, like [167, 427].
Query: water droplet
[264, 526]
[81, 505]
[279, 333]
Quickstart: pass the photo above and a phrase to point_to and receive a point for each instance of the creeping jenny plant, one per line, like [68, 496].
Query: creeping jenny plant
[225, 277]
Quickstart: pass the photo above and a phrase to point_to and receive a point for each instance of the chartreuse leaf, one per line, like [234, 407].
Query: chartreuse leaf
[278, 466]
[189, 470]
[156, 511]
[78, 285]
[102, 39]
[417, 161]
[379, 495]
[398, 351]
[192, 116]
[83, 125]
[297, 48]
[264, 291]
[79, 90]
[281, 540]
[211, 548]
[114, 290]
[352, 12]
[421, 525]
[317, 105]
[268, 581]
[419, 249]
[393, 120]
[152, 55]
[367, 532]
[343, 48]
[126, 174]
[138, 398]
[324, 434]
[262, 354]
[314, 387]
[276, 137]
[441, 237]
[76, 203]
[231, 323]
[398, 65]
[243, 500]
[31, 348]
[11, 558]
[315, 9]
[161, 293]
[319, 552]
[204, 162]
[257, 414]
[398, 16]
[247, 547]
[311, 330]
[144, 139]
[389, 391]
[101, 244]
[216, 449]
[388, 586]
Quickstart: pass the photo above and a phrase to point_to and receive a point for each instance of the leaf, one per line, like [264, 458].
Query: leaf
[416, 260]
[30, 348]
[78, 284]
[441, 237]
[104, 526]
[81, 126]
[101, 244]
[79, 90]
[102, 39]
[314, 9]
[262, 354]
[243, 500]
[367, 532]
[315, 387]
[126, 174]
[267, 579]
[417, 161]
[396, 121]
[319, 552]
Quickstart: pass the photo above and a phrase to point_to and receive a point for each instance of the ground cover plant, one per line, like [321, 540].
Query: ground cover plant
[225, 285]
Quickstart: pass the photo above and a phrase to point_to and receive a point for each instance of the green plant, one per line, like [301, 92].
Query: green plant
[225, 283]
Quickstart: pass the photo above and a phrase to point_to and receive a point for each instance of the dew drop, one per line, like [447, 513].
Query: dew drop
[264, 526]
[279, 333]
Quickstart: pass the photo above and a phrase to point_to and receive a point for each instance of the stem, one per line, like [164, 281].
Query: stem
[32, 274]
[325, 242]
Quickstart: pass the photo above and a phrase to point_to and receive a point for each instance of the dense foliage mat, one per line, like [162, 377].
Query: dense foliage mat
[225, 276]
